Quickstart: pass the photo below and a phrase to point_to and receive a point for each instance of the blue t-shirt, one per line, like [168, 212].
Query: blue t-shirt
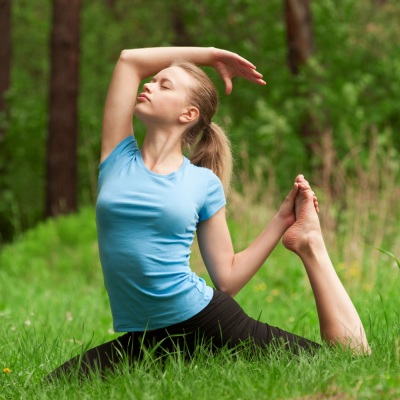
[146, 224]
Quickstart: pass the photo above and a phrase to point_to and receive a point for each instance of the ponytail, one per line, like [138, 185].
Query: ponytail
[208, 145]
[213, 151]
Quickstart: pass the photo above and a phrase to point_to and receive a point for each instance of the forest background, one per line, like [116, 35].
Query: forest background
[332, 115]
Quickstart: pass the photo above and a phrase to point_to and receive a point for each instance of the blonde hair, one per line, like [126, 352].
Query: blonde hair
[207, 142]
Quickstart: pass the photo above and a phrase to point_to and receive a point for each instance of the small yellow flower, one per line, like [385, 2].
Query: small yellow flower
[6, 370]
[260, 287]
[275, 292]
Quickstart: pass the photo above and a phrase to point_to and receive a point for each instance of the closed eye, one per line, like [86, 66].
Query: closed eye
[164, 83]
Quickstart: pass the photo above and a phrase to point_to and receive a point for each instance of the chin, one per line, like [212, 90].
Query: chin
[140, 115]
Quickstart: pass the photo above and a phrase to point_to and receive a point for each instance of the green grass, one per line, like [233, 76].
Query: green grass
[53, 304]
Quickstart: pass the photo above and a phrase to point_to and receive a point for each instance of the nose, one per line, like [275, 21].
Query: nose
[147, 87]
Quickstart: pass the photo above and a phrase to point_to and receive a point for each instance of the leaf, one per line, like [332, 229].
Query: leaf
[388, 253]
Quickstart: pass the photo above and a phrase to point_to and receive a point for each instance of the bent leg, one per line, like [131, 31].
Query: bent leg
[339, 320]
[100, 359]
[224, 323]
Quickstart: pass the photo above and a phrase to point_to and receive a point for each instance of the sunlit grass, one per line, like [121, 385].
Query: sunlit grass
[53, 304]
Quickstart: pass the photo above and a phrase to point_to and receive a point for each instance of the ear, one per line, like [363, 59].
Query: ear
[189, 115]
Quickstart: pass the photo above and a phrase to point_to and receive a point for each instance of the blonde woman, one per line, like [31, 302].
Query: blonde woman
[153, 200]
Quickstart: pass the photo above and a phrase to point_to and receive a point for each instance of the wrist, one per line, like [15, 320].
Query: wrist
[284, 220]
[281, 222]
[207, 56]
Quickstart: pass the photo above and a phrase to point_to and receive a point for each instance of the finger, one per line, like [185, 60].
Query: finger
[255, 77]
[259, 81]
[246, 63]
[293, 193]
[252, 75]
[228, 85]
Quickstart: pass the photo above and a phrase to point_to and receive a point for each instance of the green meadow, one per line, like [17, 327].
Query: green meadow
[53, 305]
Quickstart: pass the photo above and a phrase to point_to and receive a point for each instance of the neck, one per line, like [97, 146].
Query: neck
[162, 150]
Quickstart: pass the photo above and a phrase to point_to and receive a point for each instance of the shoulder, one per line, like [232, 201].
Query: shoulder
[212, 192]
[206, 174]
[127, 146]
[206, 180]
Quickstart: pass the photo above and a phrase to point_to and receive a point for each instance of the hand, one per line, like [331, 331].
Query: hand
[287, 210]
[229, 65]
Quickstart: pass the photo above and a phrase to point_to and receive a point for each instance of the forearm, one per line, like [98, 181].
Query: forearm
[246, 263]
[149, 61]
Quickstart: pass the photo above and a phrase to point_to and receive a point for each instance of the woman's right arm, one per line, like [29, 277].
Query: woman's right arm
[138, 64]
[132, 67]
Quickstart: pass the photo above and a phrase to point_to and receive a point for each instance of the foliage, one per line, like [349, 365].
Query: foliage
[350, 85]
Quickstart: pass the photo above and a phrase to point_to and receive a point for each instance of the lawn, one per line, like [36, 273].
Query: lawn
[53, 304]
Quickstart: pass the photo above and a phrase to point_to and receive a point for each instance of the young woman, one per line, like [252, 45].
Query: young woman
[153, 200]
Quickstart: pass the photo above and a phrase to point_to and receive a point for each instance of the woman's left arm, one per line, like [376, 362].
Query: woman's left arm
[229, 271]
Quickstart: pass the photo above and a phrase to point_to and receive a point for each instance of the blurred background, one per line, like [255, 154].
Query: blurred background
[330, 109]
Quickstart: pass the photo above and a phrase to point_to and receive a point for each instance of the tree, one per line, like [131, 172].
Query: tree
[5, 56]
[181, 34]
[300, 48]
[299, 33]
[61, 190]
[5, 73]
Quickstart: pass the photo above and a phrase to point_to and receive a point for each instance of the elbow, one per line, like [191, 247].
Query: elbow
[124, 55]
[230, 291]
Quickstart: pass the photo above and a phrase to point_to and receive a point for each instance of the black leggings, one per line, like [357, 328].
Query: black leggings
[221, 323]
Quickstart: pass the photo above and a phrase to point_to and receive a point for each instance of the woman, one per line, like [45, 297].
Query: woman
[152, 201]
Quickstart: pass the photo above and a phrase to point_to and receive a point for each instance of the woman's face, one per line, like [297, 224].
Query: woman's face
[165, 97]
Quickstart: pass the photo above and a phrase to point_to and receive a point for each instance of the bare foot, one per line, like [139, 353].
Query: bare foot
[307, 227]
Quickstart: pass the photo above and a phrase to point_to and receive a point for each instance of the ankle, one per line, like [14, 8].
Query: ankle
[311, 245]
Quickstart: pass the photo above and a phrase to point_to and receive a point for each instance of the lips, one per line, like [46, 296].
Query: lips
[142, 97]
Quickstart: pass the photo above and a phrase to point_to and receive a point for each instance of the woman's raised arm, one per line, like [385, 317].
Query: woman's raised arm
[138, 64]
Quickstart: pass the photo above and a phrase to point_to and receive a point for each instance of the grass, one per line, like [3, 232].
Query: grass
[53, 304]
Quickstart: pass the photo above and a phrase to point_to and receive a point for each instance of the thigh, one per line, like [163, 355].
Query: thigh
[226, 323]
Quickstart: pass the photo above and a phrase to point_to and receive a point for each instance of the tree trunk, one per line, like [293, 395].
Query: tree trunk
[61, 191]
[299, 33]
[300, 49]
[110, 3]
[5, 56]
[6, 227]
[181, 35]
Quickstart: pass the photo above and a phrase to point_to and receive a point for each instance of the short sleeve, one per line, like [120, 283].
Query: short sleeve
[127, 145]
[215, 198]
